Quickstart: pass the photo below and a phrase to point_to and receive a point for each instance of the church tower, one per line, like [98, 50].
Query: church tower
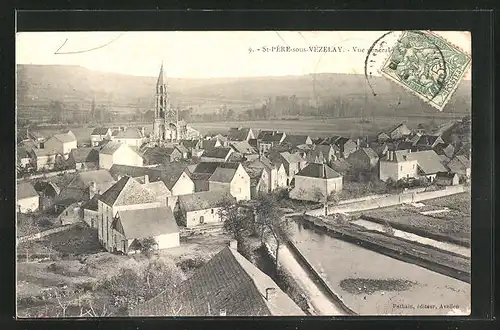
[166, 122]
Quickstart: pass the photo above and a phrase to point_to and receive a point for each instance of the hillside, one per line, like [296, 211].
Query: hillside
[38, 85]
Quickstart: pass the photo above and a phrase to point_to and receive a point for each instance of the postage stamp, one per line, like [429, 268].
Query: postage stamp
[427, 65]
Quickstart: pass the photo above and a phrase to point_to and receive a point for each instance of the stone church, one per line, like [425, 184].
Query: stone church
[166, 126]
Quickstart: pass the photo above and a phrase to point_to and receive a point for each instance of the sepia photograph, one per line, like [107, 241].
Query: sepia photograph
[243, 173]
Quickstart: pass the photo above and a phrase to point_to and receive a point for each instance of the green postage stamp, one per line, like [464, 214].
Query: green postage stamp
[428, 65]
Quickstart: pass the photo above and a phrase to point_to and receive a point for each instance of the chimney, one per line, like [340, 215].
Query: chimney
[146, 179]
[142, 131]
[233, 244]
[270, 293]
[92, 189]
[222, 312]
[124, 128]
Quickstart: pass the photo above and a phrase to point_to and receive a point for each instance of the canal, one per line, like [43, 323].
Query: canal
[370, 283]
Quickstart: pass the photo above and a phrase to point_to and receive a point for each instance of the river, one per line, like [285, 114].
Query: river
[370, 283]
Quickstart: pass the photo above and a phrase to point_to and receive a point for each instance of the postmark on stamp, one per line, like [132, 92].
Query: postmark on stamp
[427, 65]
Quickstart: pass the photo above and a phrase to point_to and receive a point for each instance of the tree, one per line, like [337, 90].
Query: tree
[269, 218]
[148, 245]
[326, 199]
[236, 219]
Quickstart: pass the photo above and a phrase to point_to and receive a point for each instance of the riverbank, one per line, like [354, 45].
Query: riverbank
[370, 283]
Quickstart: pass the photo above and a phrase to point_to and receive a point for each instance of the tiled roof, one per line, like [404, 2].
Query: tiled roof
[127, 191]
[190, 144]
[428, 161]
[220, 153]
[255, 174]
[238, 134]
[292, 158]
[261, 162]
[296, 139]
[91, 204]
[222, 175]
[111, 147]
[171, 175]
[265, 132]
[100, 131]
[427, 140]
[131, 133]
[43, 152]
[147, 222]
[117, 171]
[243, 147]
[83, 155]
[22, 153]
[158, 188]
[340, 165]
[209, 144]
[445, 175]
[202, 200]
[228, 282]
[25, 190]
[272, 137]
[65, 137]
[370, 153]
[181, 148]
[321, 171]
[100, 177]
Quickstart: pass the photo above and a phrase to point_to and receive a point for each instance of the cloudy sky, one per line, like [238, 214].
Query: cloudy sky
[205, 54]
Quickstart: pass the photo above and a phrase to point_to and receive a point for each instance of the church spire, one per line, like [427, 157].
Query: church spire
[161, 79]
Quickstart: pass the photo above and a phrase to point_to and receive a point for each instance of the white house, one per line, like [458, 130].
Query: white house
[118, 153]
[397, 165]
[132, 137]
[27, 198]
[128, 212]
[316, 182]
[100, 134]
[61, 144]
[235, 181]
[199, 208]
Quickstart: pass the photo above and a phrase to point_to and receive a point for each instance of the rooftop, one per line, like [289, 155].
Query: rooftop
[321, 171]
[26, 190]
[147, 222]
[202, 200]
[127, 191]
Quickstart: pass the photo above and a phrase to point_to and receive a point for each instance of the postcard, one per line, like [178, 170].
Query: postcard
[243, 173]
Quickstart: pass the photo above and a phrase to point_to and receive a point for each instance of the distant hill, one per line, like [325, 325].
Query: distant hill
[38, 85]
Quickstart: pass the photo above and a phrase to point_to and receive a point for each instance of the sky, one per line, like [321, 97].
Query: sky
[207, 54]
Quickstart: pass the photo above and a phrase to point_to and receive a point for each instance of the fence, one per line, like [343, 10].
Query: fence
[45, 233]
[410, 196]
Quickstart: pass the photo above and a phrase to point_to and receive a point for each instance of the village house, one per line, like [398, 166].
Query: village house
[84, 158]
[100, 134]
[426, 142]
[244, 150]
[45, 159]
[346, 146]
[118, 153]
[240, 134]
[200, 208]
[316, 182]
[69, 215]
[242, 290]
[235, 181]
[48, 192]
[443, 149]
[83, 187]
[178, 182]
[132, 137]
[89, 211]
[27, 198]
[460, 165]
[297, 140]
[259, 181]
[61, 144]
[292, 163]
[394, 133]
[159, 189]
[128, 213]
[428, 163]
[160, 155]
[276, 173]
[447, 179]
[397, 165]
[313, 156]
[218, 154]
[328, 151]
[194, 147]
[269, 141]
[363, 160]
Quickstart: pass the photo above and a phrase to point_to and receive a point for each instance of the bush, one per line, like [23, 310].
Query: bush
[191, 264]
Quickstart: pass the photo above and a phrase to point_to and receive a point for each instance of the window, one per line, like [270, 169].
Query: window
[212, 211]
[202, 220]
[401, 168]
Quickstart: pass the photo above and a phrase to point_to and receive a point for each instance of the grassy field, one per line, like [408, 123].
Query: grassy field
[454, 224]
[314, 127]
